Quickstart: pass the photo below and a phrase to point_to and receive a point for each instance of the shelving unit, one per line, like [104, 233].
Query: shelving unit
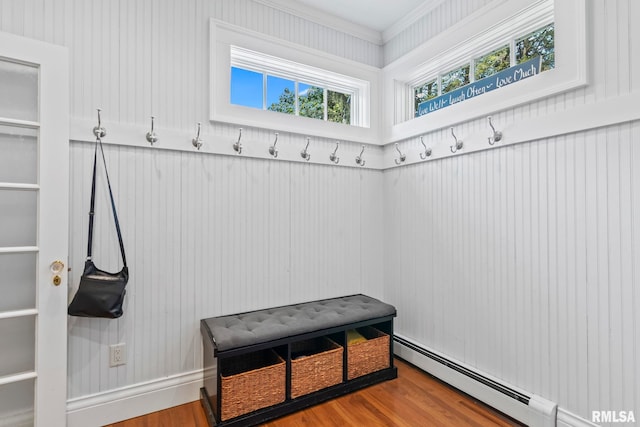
[218, 364]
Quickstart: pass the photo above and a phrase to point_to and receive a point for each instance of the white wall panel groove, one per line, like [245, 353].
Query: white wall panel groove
[525, 258]
[529, 263]
[207, 235]
[547, 261]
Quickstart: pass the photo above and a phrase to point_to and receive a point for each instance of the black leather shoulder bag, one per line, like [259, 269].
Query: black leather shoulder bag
[100, 293]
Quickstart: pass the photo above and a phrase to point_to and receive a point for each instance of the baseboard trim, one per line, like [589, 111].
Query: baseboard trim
[568, 419]
[135, 400]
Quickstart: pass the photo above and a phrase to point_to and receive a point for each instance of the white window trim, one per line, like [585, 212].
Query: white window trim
[224, 35]
[479, 33]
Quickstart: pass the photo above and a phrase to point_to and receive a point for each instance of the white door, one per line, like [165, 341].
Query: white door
[34, 205]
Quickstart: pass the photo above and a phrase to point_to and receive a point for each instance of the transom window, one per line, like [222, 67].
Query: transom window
[535, 48]
[274, 84]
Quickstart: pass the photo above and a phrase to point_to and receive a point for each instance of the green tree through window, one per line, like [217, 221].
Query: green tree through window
[424, 93]
[455, 79]
[492, 63]
[338, 107]
[286, 103]
[539, 43]
[311, 99]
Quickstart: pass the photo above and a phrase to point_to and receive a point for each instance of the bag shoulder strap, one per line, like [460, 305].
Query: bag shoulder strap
[93, 202]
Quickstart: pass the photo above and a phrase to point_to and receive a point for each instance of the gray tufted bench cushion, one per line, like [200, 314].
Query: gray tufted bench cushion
[255, 327]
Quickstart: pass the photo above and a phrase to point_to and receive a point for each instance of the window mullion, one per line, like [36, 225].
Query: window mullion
[472, 70]
[264, 91]
[325, 103]
[297, 101]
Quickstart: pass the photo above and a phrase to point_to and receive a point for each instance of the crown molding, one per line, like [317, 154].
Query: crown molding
[409, 19]
[323, 18]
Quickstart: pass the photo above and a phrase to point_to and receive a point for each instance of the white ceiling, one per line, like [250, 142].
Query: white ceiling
[377, 15]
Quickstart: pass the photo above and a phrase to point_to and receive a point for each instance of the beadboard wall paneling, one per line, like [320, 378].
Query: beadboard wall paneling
[430, 25]
[525, 260]
[525, 256]
[209, 235]
[138, 58]
[205, 235]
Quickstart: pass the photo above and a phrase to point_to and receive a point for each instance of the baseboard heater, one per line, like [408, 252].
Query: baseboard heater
[527, 408]
[514, 394]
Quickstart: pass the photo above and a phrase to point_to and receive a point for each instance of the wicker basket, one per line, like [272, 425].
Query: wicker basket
[319, 367]
[368, 356]
[250, 382]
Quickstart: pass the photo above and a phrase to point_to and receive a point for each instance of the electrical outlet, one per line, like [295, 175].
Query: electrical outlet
[116, 355]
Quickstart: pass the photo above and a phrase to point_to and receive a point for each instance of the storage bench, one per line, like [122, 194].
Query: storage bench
[264, 364]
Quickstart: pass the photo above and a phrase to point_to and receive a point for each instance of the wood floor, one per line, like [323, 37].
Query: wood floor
[413, 399]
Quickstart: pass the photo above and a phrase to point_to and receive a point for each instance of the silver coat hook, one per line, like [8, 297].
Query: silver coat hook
[335, 159]
[272, 149]
[359, 160]
[197, 141]
[427, 151]
[497, 135]
[458, 145]
[237, 146]
[402, 157]
[152, 137]
[99, 131]
[305, 155]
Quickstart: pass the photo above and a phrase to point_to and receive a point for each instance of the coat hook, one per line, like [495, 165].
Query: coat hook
[458, 145]
[402, 157]
[272, 149]
[427, 151]
[497, 135]
[197, 141]
[305, 155]
[237, 146]
[152, 137]
[359, 160]
[99, 131]
[335, 159]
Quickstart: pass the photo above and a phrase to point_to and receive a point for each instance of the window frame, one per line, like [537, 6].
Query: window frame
[316, 66]
[476, 35]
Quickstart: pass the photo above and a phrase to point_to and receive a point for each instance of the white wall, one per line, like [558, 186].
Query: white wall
[445, 14]
[205, 234]
[525, 257]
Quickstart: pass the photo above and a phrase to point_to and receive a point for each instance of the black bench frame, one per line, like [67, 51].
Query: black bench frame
[213, 359]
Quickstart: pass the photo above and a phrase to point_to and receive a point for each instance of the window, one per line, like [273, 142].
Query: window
[521, 29]
[274, 84]
[288, 96]
[537, 44]
[266, 82]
